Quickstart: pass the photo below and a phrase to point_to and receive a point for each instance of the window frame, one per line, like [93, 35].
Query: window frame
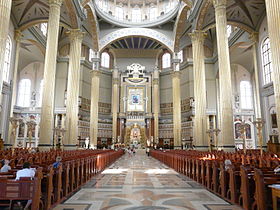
[246, 95]
[7, 59]
[24, 93]
[166, 62]
[105, 60]
[266, 61]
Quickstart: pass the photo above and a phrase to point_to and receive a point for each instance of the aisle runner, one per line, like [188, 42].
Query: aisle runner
[138, 182]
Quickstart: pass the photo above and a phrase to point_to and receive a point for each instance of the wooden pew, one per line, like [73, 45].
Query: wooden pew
[21, 190]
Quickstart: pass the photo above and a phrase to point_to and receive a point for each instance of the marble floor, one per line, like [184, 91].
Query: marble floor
[139, 182]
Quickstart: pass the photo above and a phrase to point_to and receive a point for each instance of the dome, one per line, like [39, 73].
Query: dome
[137, 13]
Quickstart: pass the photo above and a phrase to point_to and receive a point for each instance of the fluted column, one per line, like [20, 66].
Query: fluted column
[5, 12]
[156, 101]
[176, 105]
[255, 38]
[47, 110]
[115, 101]
[273, 22]
[226, 112]
[200, 120]
[18, 37]
[94, 101]
[73, 84]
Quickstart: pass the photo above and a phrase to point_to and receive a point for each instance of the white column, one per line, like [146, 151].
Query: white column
[115, 101]
[94, 101]
[73, 84]
[18, 36]
[226, 112]
[156, 101]
[200, 120]
[255, 37]
[176, 90]
[273, 21]
[47, 110]
[5, 11]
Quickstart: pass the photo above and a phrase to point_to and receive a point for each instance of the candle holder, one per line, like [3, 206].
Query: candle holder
[259, 123]
[217, 131]
[210, 133]
[30, 127]
[242, 130]
[15, 123]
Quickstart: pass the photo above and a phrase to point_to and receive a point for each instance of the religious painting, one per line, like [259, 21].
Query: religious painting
[248, 131]
[135, 102]
[135, 99]
[238, 134]
[21, 129]
[273, 121]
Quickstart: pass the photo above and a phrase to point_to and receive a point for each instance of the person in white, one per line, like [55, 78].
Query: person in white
[5, 167]
[26, 171]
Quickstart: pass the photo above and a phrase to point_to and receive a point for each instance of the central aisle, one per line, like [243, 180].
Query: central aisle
[139, 182]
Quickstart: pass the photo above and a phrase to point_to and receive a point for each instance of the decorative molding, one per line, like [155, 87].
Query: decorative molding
[145, 32]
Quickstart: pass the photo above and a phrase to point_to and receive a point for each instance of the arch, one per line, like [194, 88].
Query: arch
[38, 21]
[233, 23]
[94, 25]
[72, 13]
[143, 32]
[180, 21]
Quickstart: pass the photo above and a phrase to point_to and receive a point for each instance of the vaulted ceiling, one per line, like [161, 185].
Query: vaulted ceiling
[25, 12]
[246, 14]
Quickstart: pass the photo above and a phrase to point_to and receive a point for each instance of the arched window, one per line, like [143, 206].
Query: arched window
[90, 55]
[7, 60]
[105, 60]
[44, 28]
[246, 95]
[153, 13]
[136, 15]
[24, 91]
[180, 56]
[266, 61]
[119, 13]
[41, 93]
[166, 60]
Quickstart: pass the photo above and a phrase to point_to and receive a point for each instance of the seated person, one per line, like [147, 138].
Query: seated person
[57, 163]
[5, 167]
[26, 171]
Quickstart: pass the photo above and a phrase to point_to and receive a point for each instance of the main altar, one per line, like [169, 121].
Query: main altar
[135, 105]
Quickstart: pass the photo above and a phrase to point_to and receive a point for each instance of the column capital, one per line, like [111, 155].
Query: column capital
[176, 74]
[55, 2]
[220, 4]
[254, 37]
[115, 81]
[155, 81]
[75, 35]
[95, 73]
[18, 35]
[198, 36]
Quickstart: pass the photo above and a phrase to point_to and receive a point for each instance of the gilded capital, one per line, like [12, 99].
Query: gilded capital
[155, 81]
[220, 3]
[18, 35]
[198, 36]
[176, 74]
[95, 73]
[75, 35]
[55, 2]
[115, 81]
[254, 37]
